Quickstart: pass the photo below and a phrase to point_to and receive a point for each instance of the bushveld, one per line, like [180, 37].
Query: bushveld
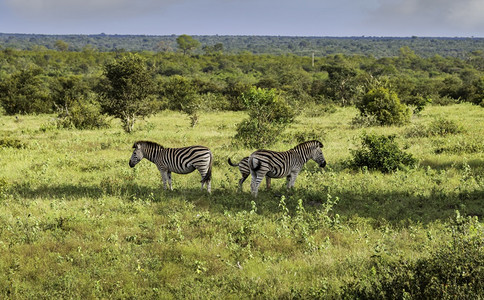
[77, 222]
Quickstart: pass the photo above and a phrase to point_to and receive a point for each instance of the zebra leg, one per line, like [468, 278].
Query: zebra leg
[209, 186]
[291, 179]
[164, 177]
[255, 182]
[241, 181]
[268, 182]
[169, 180]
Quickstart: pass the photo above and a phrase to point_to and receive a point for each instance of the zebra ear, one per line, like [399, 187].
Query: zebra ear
[320, 144]
[136, 145]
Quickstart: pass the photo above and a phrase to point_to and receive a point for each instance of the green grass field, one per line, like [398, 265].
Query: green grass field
[77, 222]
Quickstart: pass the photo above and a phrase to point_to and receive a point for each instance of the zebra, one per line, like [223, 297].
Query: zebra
[178, 160]
[283, 164]
[245, 171]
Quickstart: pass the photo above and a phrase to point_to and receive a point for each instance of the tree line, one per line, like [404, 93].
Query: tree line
[90, 84]
[277, 45]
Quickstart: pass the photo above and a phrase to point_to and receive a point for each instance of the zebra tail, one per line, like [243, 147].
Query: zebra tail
[232, 164]
[254, 164]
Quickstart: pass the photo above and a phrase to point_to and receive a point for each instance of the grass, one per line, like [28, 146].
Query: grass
[77, 222]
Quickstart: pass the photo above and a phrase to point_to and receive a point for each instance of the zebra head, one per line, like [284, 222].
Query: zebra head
[317, 154]
[137, 155]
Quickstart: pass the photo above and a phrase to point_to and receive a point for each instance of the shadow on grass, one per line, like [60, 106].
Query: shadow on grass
[394, 207]
[477, 164]
[76, 191]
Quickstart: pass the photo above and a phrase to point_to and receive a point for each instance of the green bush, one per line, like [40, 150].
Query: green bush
[269, 115]
[385, 106]
[454, 271]
[379, 152]
[8, 142]
[83, 116]
[444, 127]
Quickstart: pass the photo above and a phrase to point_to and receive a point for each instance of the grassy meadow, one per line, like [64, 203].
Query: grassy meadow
[77, 222]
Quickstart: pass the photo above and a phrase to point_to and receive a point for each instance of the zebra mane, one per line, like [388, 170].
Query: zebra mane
[147, 143]
[309, 143]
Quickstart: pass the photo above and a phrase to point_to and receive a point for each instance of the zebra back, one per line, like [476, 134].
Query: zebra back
[279, 164]
[179, 160]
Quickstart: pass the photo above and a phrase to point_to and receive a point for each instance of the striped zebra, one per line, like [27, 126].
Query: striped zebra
[177, 160]
[283, 164]
[245, 171]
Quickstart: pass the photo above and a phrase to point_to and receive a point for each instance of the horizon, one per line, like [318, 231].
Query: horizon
[244, 35]
[305, 18]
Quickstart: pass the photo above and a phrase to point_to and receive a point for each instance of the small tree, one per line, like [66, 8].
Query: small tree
[384, 105]
[269, 114]
[186, 43]
[127, 91]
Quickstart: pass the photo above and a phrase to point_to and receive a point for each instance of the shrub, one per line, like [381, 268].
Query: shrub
[379, 152]
[438, 127]
[269, 115]
[82, 115]
[454, 271]
[8, 142]
[385, 106]
[444, 127]
[466, 146]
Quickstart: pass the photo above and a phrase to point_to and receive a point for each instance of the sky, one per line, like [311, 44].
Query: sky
[405, 18]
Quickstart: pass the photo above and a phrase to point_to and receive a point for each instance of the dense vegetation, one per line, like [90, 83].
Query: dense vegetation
[396, 214]
[304, 46]
[43, 81]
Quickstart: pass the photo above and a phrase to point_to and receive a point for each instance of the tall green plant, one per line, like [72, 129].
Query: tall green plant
[269, 115]
[380, 152]
[127, 90]
[384, 105]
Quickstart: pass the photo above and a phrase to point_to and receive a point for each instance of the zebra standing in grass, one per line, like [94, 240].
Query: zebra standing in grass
[245, 171]
[178, 160]
[283, 164]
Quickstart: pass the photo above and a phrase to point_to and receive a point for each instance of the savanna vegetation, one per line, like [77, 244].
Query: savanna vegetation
[379, 47]
[396, 213]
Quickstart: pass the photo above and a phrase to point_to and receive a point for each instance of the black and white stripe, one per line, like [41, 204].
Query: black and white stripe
[245, 171]
[177, 160]
[283, 164]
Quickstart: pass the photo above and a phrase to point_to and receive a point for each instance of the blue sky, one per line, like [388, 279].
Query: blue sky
[442, 18]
